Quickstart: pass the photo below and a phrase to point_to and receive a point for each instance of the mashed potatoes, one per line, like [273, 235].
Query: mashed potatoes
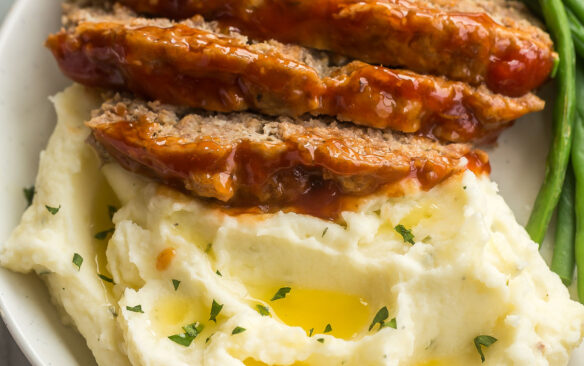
[285, 289]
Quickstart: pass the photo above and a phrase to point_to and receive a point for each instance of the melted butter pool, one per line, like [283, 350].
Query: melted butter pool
[101, 221]
[309, 309]
[172, 312]
[253, 362]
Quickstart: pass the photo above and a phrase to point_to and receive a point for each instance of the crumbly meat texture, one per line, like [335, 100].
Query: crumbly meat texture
[486, 41]
[193, 64]
[249, 160]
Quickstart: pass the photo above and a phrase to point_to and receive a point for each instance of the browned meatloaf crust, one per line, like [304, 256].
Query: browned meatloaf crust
[192, 64]
[472, 41]
[249, 160]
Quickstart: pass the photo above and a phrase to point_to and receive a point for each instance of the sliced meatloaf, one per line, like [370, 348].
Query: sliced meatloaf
[192, 64]
[248, 160]
[480, 41]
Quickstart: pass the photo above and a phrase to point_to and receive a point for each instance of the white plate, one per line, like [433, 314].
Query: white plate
[28, 75]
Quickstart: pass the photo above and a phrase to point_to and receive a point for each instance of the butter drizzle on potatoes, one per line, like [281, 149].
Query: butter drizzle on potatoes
[471, 271]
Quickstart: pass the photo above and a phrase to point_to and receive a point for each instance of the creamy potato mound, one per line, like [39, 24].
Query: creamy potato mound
[285, 289]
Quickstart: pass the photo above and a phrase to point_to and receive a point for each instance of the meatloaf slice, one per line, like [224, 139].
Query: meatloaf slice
[192, 64]
[248, 160]
[472, 41]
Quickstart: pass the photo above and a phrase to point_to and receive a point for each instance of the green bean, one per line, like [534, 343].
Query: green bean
[577, 7]
[559, 154]
[578, 164]
[577, 32]
[563, 259]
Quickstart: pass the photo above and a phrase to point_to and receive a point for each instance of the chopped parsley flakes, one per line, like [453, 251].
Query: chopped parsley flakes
[392, 324]
[264, 311]
[136, 309]
[175, 283]
[324, 231]
[215, 310]
[281, 293]
[191, 332]
[483, 341]
[405, 233]
[321, 340]
[77, 260]
[29, 194]
[218, 273]
[193, 329]
[182, 339]
[310, 332]
[380, 318]
[53, 210]
[328, 328]
[238, 330]
[105, 278]
[103, 234]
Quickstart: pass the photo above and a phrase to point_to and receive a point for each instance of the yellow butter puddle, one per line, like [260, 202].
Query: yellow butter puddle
[438, 363]
[100, 223]
[253, 362]
[312, 309]
[172, 312]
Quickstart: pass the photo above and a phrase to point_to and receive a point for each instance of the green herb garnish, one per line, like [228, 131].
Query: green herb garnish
[324, 231]
[238, 330]
[215, 310]
[77, 260]
[193, 329]
[175, 284]
[218, 273]
[29, 194]
[191, 332]
[53, 210]
[483, 341]
[380, 318]
[405, 233]
[392, 324]
[136, 309]
[281, 293]
[310, 332]
[103, 234]
[264, 311]
[328, 328]
[182, 339]
[105, 278]
[321, 340]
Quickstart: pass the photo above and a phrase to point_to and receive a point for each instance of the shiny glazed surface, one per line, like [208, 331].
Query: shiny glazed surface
[469, 47]
[306, 172]
[189, 66]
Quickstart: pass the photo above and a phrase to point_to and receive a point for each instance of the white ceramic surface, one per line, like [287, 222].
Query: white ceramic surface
[28, 75]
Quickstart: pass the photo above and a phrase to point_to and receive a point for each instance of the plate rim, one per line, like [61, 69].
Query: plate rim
[14, 328]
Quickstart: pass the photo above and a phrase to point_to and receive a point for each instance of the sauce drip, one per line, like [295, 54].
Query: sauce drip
[302, 174]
